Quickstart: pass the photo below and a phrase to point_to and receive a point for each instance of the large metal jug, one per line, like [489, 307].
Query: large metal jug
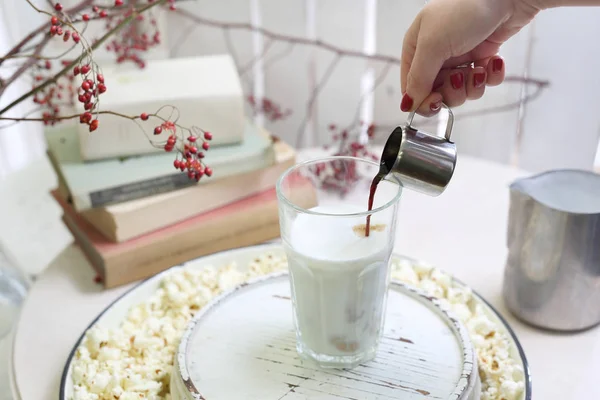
[552, 275]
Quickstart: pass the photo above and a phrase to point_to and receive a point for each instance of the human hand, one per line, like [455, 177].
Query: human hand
[450, 51]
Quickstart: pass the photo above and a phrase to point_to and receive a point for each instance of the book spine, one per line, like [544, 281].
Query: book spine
[160, 262]
[133, 191]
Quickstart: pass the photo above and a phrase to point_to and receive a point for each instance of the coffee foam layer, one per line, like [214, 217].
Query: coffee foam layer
[336, 237]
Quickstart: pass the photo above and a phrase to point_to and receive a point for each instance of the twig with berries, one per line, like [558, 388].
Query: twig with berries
[386, 61]
[339, 176]
[50, 90]
[189, 143]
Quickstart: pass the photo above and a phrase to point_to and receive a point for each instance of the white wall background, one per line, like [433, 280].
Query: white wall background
[559, 129]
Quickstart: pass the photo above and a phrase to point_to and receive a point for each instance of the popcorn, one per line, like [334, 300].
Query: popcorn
[502, 378]
[405, 273]
[135, 361]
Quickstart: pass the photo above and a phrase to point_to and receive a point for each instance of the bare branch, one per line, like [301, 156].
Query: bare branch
[315, 93]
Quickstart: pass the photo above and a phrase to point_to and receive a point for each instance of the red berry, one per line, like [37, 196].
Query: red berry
[100, 78]
[191, 174]
[200, 155]
[118, 3]
[85, 85]
[75, 37]
[85, 69]
[54, 20]
[59, 30]
[94, 125]
[53, 29]
[193, 149]
[176, 164]
[144, 116]
[67, 36]
[86, 116]
[171, 141]
[205, 146]
[95, 9]
[103, 14]
[182, 166]
[208, 171]
[158, 130]
[101, 87]
[81, 98]
[172, 7]
[58, 7]
[86, 17]
[191, 139]
[76, 71]
[88, 106]
[208, 136]
[168, 148]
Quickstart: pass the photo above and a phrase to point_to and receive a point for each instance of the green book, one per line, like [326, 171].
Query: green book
[99, 183]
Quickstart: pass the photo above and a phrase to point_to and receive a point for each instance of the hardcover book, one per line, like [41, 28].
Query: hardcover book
[103, 182]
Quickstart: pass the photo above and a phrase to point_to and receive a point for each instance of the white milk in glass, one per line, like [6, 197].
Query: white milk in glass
[339, 282]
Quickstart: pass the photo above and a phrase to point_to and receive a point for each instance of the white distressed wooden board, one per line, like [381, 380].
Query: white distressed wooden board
[243, 345]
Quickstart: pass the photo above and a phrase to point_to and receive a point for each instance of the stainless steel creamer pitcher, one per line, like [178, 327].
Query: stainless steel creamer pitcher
[419, 160]
[552, 275]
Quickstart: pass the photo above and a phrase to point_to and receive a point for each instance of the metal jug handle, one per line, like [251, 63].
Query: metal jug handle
[449, 124]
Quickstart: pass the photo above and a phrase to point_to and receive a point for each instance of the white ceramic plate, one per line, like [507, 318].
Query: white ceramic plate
[115, 313]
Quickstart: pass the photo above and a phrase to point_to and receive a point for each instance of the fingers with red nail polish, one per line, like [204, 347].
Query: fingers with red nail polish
[453, 91]
[457, 80]
[407, 103]
[435, 106]
[476, 83]
[495, 71]
[431, 105]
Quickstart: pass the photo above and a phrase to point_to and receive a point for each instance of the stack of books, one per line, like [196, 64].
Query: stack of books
[135, 215]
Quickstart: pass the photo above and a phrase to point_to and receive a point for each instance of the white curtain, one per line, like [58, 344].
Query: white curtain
[23, 142]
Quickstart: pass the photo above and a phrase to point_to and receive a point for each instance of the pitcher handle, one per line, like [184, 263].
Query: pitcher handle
[449, 124]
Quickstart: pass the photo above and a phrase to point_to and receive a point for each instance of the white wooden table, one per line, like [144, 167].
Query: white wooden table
[462, 231]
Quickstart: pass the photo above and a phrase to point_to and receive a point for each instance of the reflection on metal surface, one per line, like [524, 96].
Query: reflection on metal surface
[552, 276]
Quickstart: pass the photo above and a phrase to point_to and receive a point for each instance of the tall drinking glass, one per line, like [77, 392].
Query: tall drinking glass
[339, 276]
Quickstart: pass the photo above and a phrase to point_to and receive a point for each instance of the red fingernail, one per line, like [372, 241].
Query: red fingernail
[407, 103]
[435, 106]
[497, 64]
[457, 80]
[478, 79]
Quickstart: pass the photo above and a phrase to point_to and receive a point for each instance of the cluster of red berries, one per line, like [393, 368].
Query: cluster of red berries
[131, 41]
[88, 93]
[56, 27]
[339, 175]
[344, 134]
[54, 95]
[190, 149]
[172, 6]
[192, 156]
[271, 110]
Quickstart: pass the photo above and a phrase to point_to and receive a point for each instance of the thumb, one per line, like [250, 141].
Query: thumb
[424, 68]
